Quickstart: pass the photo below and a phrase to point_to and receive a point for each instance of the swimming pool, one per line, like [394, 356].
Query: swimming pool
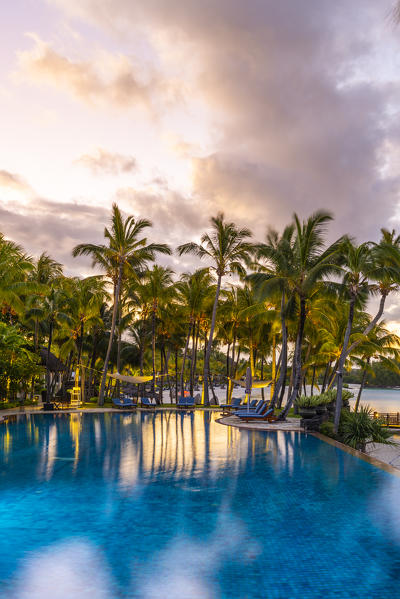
[177, 506]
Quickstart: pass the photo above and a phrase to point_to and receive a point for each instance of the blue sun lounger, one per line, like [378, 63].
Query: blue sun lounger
[124, 402]
[263, 415]
[146, 403]
[186, 402]
[254, 409]
[235, 403]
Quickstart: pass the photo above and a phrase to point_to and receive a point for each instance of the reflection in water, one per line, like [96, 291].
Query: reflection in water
[174, 505]
[141, 443]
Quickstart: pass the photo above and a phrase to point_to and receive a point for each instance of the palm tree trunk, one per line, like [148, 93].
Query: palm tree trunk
[273, 372]
[176, 375]
[296, 361]
[118, 385]
[262, 377]
[325, 379]
[227, 372]
[371, 325]
[283, 387]
[363, 379]
[184, 358]
[110, 341]
[80, 342]
[282, 374]
[153, 350]
[209, 344]
[192, 359]
[48, 388]
[341, 362]
[162, 374]
[313, 379]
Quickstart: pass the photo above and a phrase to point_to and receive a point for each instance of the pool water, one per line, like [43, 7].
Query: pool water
[177, 506]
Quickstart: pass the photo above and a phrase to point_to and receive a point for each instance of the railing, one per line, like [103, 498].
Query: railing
[388, 419]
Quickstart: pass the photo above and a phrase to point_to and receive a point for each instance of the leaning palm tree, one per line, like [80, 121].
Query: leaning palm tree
[357, 270]
[228, 248]
[124, 252]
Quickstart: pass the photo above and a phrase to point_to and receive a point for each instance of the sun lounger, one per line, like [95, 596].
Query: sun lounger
[235, 403]
[255, 408]
[185, 403]
[146, 403]
[263, 415]
[123, 402]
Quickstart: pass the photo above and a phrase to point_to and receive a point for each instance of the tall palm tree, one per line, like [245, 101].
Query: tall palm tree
[44, 273]
[124, 251]
[357, 269]
[193, 291]
[275, 269]
[309, 264]
[228, 248]
[158, 289]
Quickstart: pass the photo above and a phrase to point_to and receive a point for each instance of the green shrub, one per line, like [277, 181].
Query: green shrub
[307, 401]
[327, 428]
[359, 428]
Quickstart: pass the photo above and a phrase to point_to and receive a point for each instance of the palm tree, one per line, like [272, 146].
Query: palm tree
[158, 289]
[15, 266]
[357, 269]
[125, 251]
[227, 247]
[275, 270]
[193, 291]
[309, 264]
[54, 312]
[380, 344]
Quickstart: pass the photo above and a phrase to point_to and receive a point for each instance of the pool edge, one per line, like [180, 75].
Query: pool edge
[359, 454]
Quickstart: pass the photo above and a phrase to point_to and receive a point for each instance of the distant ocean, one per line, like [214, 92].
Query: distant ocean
[380, 400]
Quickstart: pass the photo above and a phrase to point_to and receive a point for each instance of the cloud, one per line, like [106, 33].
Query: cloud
[108, 163]
[300, 99]
[44, 225]
[14, 181]
[112, 80]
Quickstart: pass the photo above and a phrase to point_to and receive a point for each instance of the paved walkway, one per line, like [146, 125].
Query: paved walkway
[291, 424]
[390, 454]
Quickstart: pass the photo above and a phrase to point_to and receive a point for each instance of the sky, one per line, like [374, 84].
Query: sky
[177, 110]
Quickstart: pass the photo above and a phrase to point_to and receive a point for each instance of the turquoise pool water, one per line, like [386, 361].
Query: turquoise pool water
[176, 506]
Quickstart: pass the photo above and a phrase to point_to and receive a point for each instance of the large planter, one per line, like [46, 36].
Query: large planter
[320, 410]
[307, 412]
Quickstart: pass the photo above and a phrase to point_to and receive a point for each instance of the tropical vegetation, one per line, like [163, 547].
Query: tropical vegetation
[294, 308]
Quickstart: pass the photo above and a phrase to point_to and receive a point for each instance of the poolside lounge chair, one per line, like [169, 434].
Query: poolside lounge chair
[146, 403]
[254, 408]
[124, 402]
[235, 403]
[185, 402]
[190, 402]
[181, 402]
[265, 414]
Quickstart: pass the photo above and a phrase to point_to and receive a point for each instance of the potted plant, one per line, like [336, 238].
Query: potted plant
[307, 406]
